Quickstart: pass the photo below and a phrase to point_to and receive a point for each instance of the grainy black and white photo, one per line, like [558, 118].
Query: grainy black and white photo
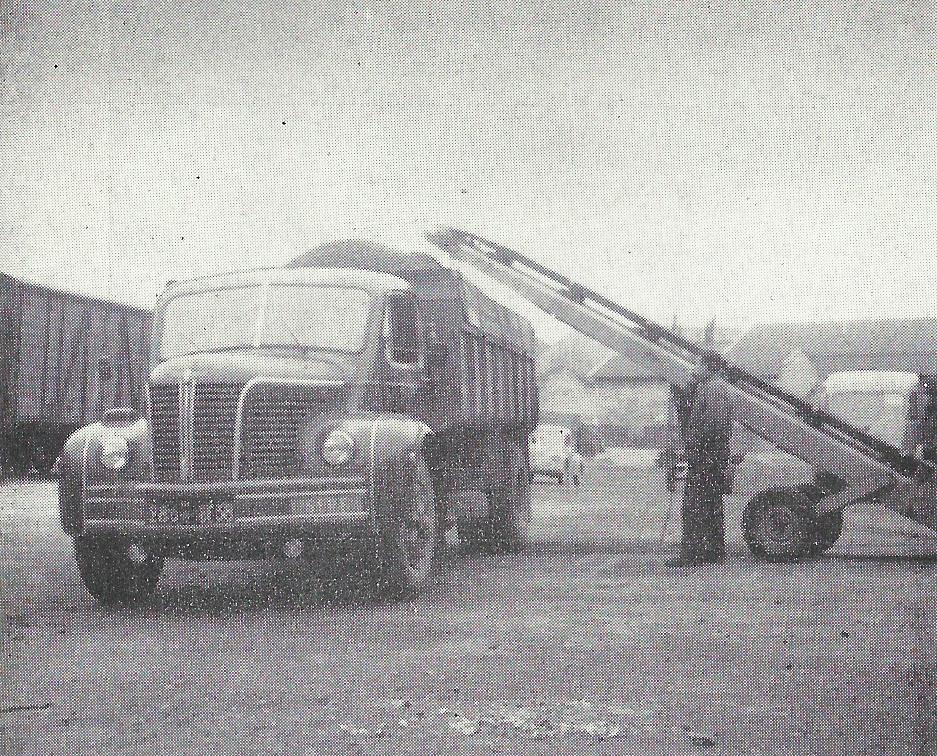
[462, 377]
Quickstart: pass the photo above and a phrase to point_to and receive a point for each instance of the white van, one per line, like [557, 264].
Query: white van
[553, 453]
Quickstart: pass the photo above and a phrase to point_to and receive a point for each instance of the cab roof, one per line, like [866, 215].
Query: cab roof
[368, 280]
[870, 381]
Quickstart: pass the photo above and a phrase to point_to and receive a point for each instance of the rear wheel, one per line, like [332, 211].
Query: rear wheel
[111, 576]
[407, 547]
[511, 509]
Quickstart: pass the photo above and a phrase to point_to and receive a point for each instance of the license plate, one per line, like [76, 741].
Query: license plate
[185, 512]
[173, 513]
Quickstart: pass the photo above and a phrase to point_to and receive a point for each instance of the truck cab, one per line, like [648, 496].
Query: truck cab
[886, 404]
[280, 409]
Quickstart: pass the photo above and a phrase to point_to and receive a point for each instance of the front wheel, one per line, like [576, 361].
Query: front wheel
[112, 577]
[407, 546]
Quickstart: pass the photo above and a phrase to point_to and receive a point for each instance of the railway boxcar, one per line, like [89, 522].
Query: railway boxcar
[64, 360]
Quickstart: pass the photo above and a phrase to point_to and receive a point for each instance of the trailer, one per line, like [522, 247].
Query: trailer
[65, 359]
[850, 464]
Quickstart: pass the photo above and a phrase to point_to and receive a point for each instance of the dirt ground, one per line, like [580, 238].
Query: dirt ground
[584, 643]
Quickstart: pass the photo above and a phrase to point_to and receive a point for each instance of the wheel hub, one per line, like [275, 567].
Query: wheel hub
[415, 532]
[780, 525]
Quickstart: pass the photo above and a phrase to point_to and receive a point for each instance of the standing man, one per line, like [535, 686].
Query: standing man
[708, 432]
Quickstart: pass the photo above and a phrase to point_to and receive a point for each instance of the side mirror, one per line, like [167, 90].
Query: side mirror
[120, 416]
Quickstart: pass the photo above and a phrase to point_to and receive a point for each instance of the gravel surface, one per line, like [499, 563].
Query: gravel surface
[584, 643]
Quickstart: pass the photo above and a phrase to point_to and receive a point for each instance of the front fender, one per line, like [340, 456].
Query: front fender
[393, 444]
[71, 464]
[80, 465]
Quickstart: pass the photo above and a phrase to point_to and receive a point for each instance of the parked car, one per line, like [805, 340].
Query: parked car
[553, 454]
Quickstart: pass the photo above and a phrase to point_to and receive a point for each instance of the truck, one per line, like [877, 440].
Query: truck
[851, 461]
[65, 359]
[359, 400]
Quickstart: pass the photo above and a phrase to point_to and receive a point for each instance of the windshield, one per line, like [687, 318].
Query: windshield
[321, 317]
[550, 435]
[883, 415]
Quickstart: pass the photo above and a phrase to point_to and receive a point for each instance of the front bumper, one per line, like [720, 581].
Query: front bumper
[237, 509]
[548, 466]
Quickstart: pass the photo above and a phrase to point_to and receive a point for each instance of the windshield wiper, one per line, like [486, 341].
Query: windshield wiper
[290, 331]
[216, 350]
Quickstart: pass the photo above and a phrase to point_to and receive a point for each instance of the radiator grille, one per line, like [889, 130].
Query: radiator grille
[272, 421]
[273, 418]
[164, 419]
[213, 420]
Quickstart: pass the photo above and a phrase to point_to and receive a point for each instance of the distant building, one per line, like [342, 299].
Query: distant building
[615, 400]
[564, 392]
[767, 350]
[629, 403]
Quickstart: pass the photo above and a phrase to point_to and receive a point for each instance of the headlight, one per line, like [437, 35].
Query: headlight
[115, 451]
[338, 448]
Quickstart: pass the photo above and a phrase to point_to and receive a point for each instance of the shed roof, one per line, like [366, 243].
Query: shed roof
[891, 344]
[574, 353]
[618, 368]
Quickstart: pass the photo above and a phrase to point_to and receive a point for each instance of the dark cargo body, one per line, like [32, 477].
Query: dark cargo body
[480, 368]
[64, 360]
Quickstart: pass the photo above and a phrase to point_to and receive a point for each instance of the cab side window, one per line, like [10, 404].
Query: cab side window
[401, 329]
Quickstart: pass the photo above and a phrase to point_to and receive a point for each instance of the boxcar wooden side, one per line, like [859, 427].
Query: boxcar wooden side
[64, 360]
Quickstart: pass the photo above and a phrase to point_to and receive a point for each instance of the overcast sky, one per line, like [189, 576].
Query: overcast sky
[749, 161]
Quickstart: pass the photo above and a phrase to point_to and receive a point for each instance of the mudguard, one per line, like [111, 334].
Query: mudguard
[80, 464]
[395, 443]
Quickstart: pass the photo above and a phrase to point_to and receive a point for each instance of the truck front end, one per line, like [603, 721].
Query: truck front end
[258, 438]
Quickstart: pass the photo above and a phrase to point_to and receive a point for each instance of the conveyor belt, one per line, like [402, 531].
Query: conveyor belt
[592, 313]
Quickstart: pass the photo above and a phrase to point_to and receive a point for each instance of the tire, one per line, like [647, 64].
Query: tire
[511, 507]
[112, 577]
[831, 528]
[779, 525]
[407, 549]
[475, 536]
